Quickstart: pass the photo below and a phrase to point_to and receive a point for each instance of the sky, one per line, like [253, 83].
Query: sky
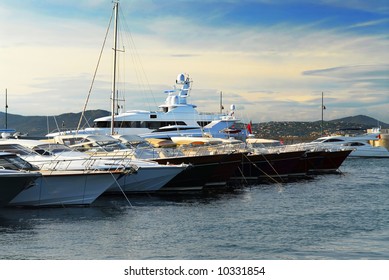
[272, 59]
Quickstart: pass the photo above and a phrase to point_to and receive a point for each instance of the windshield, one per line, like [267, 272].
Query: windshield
[14, 162]
[46, 149]
[110, 146]
[16, 149]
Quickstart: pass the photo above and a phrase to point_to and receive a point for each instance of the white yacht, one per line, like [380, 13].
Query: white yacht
[140, 176]
[358, 143]
[175, 117]
[12, 182]
[59, 187]
[175, 113]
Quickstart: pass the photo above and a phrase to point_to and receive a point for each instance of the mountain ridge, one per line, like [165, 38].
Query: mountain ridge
[39, 126]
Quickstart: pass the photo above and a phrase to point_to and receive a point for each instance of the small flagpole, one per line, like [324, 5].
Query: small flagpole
[221, 102]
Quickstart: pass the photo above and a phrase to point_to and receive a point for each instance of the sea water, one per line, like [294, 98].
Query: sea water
[336, 217]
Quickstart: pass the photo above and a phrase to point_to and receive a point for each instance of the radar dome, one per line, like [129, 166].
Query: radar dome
[180, 79]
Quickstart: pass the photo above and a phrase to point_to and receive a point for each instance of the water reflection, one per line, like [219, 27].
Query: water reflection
[107, 207]
[384, 142]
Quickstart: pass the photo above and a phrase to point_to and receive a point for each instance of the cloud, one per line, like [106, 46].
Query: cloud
[184, 55]
[369, 23]
[376, 6]
[354, 72]
[264, 63]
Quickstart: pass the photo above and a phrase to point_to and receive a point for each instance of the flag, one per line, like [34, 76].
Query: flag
[248, 127]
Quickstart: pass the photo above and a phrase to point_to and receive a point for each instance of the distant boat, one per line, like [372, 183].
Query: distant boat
[359, 144]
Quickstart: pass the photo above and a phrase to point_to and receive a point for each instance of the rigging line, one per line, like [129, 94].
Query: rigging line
[136, 59]
[241, 173]
[86, 124]
[95, 73]
[267, 175]
[56, 124]
[272, 166]
[121, 189]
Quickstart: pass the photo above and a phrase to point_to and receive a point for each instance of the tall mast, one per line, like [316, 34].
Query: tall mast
[6, 110]
[116, 7]
[221, 102]
[322, 114]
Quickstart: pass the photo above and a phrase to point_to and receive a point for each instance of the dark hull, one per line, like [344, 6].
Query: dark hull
[12, 184]
[324, 161]
[205, 171]
[270, 167]
[224, 170]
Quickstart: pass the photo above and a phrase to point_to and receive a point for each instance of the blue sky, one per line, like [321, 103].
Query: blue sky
[272, 59]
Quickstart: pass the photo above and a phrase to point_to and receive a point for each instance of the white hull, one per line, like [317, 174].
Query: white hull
[359, 144]
[373, 152]
[13, 182]
[176, 115]
[60, 188]
[146, 179]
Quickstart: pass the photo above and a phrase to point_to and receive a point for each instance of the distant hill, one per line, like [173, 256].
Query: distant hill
[313, 130]
[364, 120]
[39, 126]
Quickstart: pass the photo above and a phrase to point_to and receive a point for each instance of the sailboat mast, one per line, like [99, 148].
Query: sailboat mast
[113, 104]
[6, 109]
[322, 112]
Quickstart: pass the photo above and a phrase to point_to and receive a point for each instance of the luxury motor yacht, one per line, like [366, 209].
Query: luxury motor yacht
[204, 169]
[59, 187]
[12, 182]
[359, 144]
[315, 158]
[141, 176]
[175, 113]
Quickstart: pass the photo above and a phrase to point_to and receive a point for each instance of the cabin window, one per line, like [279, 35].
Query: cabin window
[14, 162]
[355, 144]
[203, 123]
[138, 124]
[103, 124]
[15, 148]
[333, 140]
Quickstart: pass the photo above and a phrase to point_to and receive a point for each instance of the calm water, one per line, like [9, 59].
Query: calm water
[329, 217]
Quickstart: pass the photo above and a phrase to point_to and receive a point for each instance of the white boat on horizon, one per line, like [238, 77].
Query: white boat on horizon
[358, 143]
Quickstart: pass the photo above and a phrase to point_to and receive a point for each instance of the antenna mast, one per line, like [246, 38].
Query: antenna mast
[6, 109]
[322, 112]
[221, 102]
[113, 106]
